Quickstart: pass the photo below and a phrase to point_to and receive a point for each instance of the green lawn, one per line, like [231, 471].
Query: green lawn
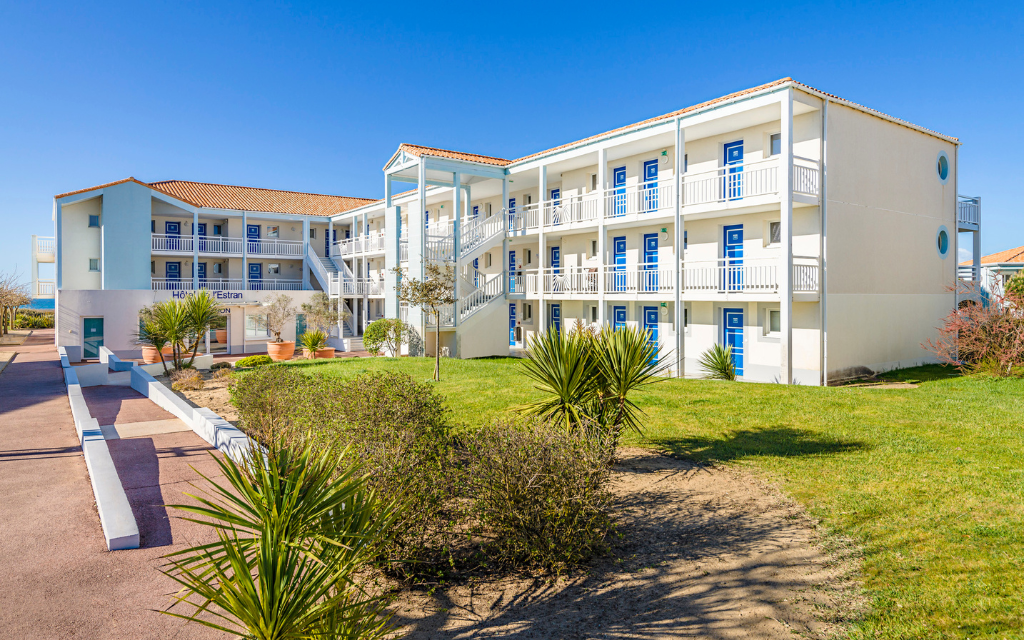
[928, 481]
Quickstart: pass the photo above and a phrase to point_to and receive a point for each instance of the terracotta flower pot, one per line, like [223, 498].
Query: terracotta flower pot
[326, 352]
[149, 354]
[280, 351]
[221, 335]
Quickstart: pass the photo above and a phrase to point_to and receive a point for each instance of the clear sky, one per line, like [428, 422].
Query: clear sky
[315, 97]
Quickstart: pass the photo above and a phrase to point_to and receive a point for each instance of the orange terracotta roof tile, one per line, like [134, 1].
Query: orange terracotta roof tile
[419, 150]
[1002, 257]
[223, 196]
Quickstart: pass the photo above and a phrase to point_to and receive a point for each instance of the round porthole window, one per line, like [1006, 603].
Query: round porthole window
[942, 167]
[942, 242]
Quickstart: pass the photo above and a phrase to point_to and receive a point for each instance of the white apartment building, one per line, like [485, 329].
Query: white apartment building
[811, 234]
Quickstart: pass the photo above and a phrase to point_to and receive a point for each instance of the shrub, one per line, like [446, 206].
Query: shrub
[268, 401]
[983, 337]
[387, 335]
[717, 362]
[223, 373]
[220, 365]
[541, 492]
[1015, 287]
[313, 341]
[33, 319]
[253, 361]
[186, 380]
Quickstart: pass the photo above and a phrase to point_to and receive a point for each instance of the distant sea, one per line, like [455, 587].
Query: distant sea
[42, 304]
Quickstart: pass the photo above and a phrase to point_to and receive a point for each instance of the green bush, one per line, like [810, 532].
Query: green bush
[540, 492]
[254, 361]
[269, 401]
[223, 373]
[385, 334]
[33, 319]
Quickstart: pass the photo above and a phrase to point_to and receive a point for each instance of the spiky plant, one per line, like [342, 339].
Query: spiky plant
[294, 526]
[718, 363]
[313, 341]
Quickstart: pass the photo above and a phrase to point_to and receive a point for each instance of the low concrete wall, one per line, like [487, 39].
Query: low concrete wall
[113, 362]
[164, 398]
[91, 375]
[73, 353]
[116, 518]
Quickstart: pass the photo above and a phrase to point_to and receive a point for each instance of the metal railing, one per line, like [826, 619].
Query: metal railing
[45, 245]
[164, 242]
[641, 198]
[277, 284]
[207, 244]
[968, 210]
[569, 280]
[968, 273]
[474, 233]
[283, 248]
[403, 250]
[45, 288]
[637, 279]
[371, 243]
[474, 301]
[440, 248]
[208, 284]
[573, 209]
[758, 275]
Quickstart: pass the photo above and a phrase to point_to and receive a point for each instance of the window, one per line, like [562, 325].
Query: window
[274, 269]
[312, 233]
[593, 248]
[772, 321]
[685, 239]
[775, 144]
[942, 242]
[218, 268]
[94, 264]
[273, 231]
[152, 226]
[593, 315]
[487, 259]
[94, 221]
[256, 326]
[686, 162]
[217, 230]
[487, 209]
[527, 312]
[593, 182]
[529, 199]
[686, 317]
[152, 267]
[774, 232]
[529, 256]
[942, 167]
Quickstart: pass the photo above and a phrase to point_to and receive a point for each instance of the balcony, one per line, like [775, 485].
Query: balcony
[225, 284]
[726, 187]
[45, 249]
[372, 243]
[45, 289]
[222, 245]
[350, 287]
[968, 213]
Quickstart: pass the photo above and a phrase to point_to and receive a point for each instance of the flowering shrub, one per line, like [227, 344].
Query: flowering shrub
[983, 337]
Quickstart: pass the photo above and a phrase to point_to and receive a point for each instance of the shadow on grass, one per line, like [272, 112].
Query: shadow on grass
[747, 443]
[925, 373]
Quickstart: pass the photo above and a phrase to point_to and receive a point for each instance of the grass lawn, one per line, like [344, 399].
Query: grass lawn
[929, 481]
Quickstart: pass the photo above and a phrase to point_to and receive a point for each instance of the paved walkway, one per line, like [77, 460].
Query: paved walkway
[58, 580]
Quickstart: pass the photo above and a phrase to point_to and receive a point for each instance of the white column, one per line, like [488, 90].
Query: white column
[542, 248]
[456, 231]
[245, 255]
[195, 250]
[680, 309]
[602, 235]
[305, 251]
[786, 257]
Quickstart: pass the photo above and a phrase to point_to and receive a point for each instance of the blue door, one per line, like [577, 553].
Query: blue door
[202, 236]
[252, 232]
[556, 197]
[734, 176]
[733, 254]
[733, 338]
[651, 326]
[201, 271]
[476, 211]
[476, 272]
[512, 272]
[172, 271]
[512, 323]
[619, 183]
[328, 239]
[173, 232]
[650, 273]
[92, 339]
[556, 318]
[619, 255]
[650, 193]
[618, 318]
[510, 218]
[255, 276]
[556, 260]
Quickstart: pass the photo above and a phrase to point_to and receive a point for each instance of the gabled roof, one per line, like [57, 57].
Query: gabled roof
[223, 196]
[1002, 257]
[419, 150]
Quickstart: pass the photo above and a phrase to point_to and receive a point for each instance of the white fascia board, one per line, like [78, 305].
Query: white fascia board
[463, 166]
[366, 209]
[79, 197]
[258, 215]
[159, 195]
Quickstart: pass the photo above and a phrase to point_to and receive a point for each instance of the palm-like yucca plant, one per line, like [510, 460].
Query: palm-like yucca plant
[314, 341]
[293, 529]
[203, 314]
[718, 363]
[173, 320]
[588, 377]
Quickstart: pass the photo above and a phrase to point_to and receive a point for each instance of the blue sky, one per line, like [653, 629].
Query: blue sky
[315, 97]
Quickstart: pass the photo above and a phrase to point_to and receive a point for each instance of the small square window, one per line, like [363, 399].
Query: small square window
[217, 230]
[273, 231]
[152, 226]
[218, 267]
[529, 256]
[593, 182]
[152, 268]
[94, 264]
[774, 321]
[774, 232]
[775, 144]
[527, 312]
[312, 233]
[256, 326]
[487, 260]
[593, 248]
[94, 221]
[593, 315]
[274, 268]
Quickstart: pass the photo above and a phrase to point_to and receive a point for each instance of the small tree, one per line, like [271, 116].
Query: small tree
[387, 334]
[279, 312]
[321, 313]
[1015, 287]
[990, 336]
[436, 291]
[13, 294]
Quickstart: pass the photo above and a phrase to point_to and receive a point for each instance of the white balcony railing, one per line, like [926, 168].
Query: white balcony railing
[207, 244]
[639, 199]
[403, 250]
[748, 276]
[170, 243]
[474, 233]
[185, 284]
[275, 248]
[569, 280]
[639, 279]
[968, 210]
[45, 288]
[277, 284]
[968, 273]
[45, 246]
[372, 243]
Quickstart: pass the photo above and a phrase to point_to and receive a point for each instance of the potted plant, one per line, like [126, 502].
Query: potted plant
[279, 312]
[321, 314]
[314, 345]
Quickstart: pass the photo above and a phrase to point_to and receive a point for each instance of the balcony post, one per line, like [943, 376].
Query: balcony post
[245, 251]
[456, 249]
[786, 255]
[305, 252]
[680, 328]
[542, 248]
[602, 234]
[195, 250]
